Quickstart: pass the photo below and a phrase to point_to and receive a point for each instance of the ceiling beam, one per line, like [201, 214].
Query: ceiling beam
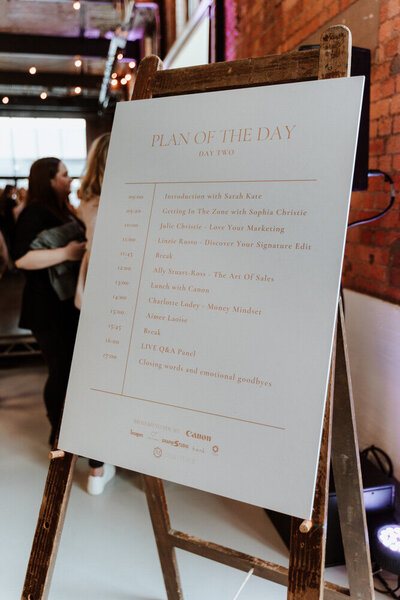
[70, 104]
[49, 80]
[82, 1]
[12, 43]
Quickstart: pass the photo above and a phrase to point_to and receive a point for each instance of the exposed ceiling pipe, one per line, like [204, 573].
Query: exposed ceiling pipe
[115, 43]
[119, 41]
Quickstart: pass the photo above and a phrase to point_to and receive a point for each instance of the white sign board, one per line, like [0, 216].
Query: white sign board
[205, 338]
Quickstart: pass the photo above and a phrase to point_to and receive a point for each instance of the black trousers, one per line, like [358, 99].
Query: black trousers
[57, 345]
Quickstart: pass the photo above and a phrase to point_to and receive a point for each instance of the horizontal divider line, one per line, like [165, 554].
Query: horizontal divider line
[220, 181]
[190, 409]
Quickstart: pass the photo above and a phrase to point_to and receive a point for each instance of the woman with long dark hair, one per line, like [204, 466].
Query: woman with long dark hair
[48, 247]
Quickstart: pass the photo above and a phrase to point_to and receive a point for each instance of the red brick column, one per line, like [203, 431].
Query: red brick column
[259, 27]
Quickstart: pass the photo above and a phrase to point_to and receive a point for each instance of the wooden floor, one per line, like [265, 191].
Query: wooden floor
[107, 548]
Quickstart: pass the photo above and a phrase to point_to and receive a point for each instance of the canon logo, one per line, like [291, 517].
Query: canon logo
[198, 436]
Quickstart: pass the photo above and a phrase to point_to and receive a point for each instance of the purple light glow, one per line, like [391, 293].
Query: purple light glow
[92, 33]
[389, 536]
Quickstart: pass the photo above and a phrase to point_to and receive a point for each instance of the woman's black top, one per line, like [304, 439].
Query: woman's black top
[41, 307]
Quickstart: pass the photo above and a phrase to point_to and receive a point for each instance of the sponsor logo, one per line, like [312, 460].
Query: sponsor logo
[136, 434]
[157, 452]
[198, 436]
[175, 443]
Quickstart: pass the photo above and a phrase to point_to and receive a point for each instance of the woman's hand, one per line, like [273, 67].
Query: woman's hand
[74, 250]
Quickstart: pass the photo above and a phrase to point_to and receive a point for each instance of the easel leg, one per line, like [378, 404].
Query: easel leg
[307, 550]
[347, 474]
[161, 525]
[49, 528]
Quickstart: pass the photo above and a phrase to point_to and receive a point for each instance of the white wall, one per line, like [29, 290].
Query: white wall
[192, 46]
[373, 331]
[194, 50]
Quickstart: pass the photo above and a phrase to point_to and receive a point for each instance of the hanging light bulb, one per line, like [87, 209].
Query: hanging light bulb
[113, 75]
[43, 95]
[123, 81]
[120, 56]
[132, 64]
[5, 99]
[78, 62]
[32, 70]
[114, 82]
[76, 5]
[77, 90]
[128, 77]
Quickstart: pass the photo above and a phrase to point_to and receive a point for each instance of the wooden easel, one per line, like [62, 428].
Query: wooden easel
[304, 577]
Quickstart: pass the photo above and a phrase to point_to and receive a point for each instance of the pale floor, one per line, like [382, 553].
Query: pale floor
[107, 549]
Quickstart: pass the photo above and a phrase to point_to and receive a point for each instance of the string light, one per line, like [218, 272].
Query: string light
[76, 5]
[132, 64]
[77, 90]
[43, 95]
[123, 81]
[78, 62]
[32, 70]
[120, 56]
[113, 76]
[128, 77]
[114, 82]
[5, 100]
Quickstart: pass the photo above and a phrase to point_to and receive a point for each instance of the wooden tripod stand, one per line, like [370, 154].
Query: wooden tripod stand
[304, 577]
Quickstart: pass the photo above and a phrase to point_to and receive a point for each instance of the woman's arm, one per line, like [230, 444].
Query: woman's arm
[80, 286]
[41, 259]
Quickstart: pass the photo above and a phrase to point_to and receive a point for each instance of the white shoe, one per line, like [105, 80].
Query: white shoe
[96, 484]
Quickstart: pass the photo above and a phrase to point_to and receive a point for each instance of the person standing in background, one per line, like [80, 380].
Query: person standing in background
[89, 195]
[7, 223]
[52, 319]
[21, 202]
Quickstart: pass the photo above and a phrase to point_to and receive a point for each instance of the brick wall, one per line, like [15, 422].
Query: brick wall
[258, 27]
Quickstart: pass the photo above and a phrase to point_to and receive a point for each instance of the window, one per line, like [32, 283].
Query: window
[24, 140]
